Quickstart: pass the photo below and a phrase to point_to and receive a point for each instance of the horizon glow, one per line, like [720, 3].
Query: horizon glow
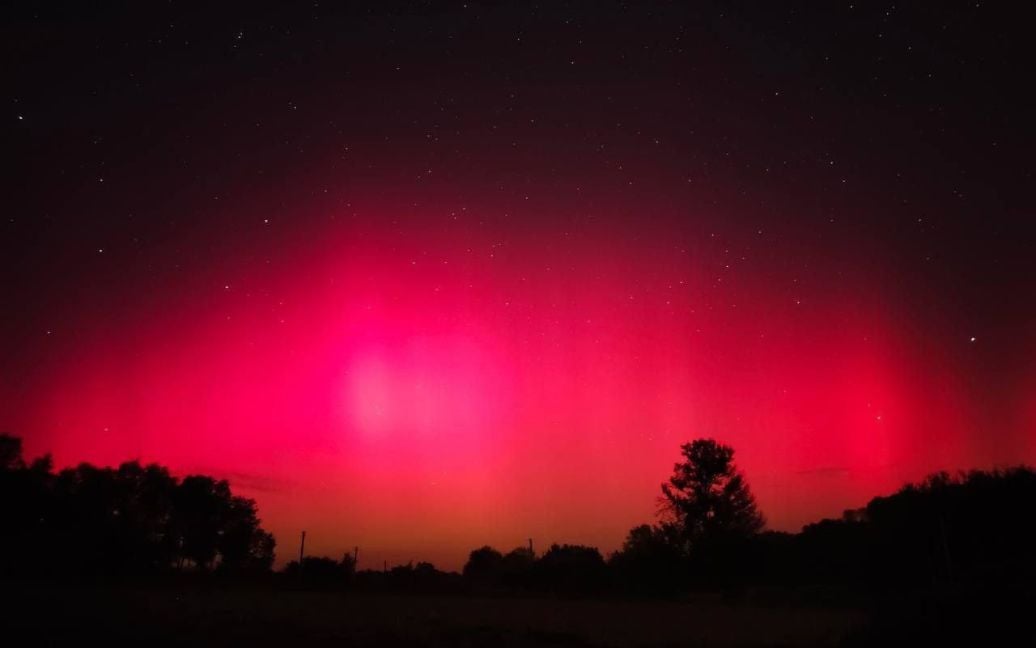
[424, 278]
[421, 389]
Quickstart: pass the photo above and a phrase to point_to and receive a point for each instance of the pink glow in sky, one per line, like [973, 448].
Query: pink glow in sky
[421, 379]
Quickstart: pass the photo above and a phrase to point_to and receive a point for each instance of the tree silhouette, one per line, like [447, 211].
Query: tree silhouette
[200, 509]
[973, 526]
[484, 566]
[243, 546]
[130, 521]
[516, 567]
[649, 562]
[570, 569]
[707, 500]
[10, 452]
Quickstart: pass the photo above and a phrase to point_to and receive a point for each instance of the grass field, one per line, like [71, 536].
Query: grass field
[290, 618]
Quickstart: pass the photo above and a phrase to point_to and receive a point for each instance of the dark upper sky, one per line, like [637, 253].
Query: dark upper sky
[648, 195]
[922, 110]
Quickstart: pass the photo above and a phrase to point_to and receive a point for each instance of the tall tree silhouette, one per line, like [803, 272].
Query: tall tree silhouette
[707, 500]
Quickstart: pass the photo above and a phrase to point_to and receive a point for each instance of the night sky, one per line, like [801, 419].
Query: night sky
[428, 276]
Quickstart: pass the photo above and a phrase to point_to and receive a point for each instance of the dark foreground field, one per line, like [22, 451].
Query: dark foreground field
[263, 617]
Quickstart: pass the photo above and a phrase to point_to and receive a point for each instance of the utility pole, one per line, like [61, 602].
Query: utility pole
[531, 552]
[302, 548]
[356, 556]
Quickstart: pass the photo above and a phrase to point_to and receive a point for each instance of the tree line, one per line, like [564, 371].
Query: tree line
[131, 521]
[969, 529]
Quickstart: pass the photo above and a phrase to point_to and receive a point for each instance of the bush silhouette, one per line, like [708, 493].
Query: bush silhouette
[517, 567]
[319, 572]
[649, 563]
[570, 569]
[484, 566]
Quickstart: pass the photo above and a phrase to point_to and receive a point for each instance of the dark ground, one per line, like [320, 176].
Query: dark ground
[267, 617]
